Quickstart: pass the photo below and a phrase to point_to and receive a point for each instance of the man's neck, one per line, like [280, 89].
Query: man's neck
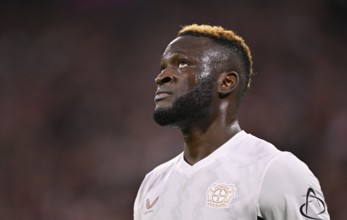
[198, 144]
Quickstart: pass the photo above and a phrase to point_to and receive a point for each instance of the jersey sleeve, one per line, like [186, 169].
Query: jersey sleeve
[136, 207]
[289, 190]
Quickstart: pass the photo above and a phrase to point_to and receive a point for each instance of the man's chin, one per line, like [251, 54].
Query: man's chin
[162, 106]
[164, 116]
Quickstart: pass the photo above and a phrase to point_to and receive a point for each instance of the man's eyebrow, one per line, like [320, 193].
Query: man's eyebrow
[174, 55]
[178, 53]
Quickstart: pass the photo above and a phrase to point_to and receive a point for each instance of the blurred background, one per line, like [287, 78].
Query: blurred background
[77, 87]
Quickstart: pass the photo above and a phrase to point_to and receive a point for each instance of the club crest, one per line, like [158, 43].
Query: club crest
[219, 195]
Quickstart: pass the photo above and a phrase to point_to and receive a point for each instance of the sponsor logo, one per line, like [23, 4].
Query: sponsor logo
[150, 205]
[219, 195]
[313, 206]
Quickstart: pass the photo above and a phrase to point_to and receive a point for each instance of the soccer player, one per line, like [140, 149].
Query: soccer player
[223, 171]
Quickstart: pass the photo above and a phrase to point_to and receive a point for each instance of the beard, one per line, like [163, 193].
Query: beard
[192, 106]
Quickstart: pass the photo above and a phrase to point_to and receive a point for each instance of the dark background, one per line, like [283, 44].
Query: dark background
[77, 88]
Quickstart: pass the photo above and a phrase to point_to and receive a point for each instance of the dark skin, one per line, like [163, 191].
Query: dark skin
[186, 60]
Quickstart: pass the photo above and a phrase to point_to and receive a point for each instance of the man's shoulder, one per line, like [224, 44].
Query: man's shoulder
[164, 167]
[260, 142]
[278, 158]
[259, 148]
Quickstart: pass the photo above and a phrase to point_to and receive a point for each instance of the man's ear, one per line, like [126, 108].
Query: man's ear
[227, 83]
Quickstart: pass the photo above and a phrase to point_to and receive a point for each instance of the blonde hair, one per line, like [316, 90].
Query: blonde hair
[219, 34]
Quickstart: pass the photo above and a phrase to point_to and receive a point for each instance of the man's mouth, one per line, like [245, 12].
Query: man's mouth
[161, 95]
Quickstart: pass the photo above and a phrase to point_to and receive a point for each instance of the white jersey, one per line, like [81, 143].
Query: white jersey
[245, 179]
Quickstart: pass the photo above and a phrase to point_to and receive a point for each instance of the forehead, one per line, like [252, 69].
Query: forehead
[190, 45]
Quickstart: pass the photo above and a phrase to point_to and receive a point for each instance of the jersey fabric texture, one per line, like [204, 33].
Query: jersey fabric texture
[246, 178]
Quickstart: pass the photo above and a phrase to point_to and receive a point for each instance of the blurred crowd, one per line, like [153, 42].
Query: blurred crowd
[77, 88]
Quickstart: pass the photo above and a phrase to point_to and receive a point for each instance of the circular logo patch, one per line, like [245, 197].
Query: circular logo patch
[219, 195]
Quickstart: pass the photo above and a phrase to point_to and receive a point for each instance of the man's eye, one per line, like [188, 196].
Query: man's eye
[163, 67]
[182, 64]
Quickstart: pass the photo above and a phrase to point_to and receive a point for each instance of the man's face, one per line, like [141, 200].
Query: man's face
[185, 83]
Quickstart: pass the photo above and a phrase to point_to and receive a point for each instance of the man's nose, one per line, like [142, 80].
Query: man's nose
[164, 77]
